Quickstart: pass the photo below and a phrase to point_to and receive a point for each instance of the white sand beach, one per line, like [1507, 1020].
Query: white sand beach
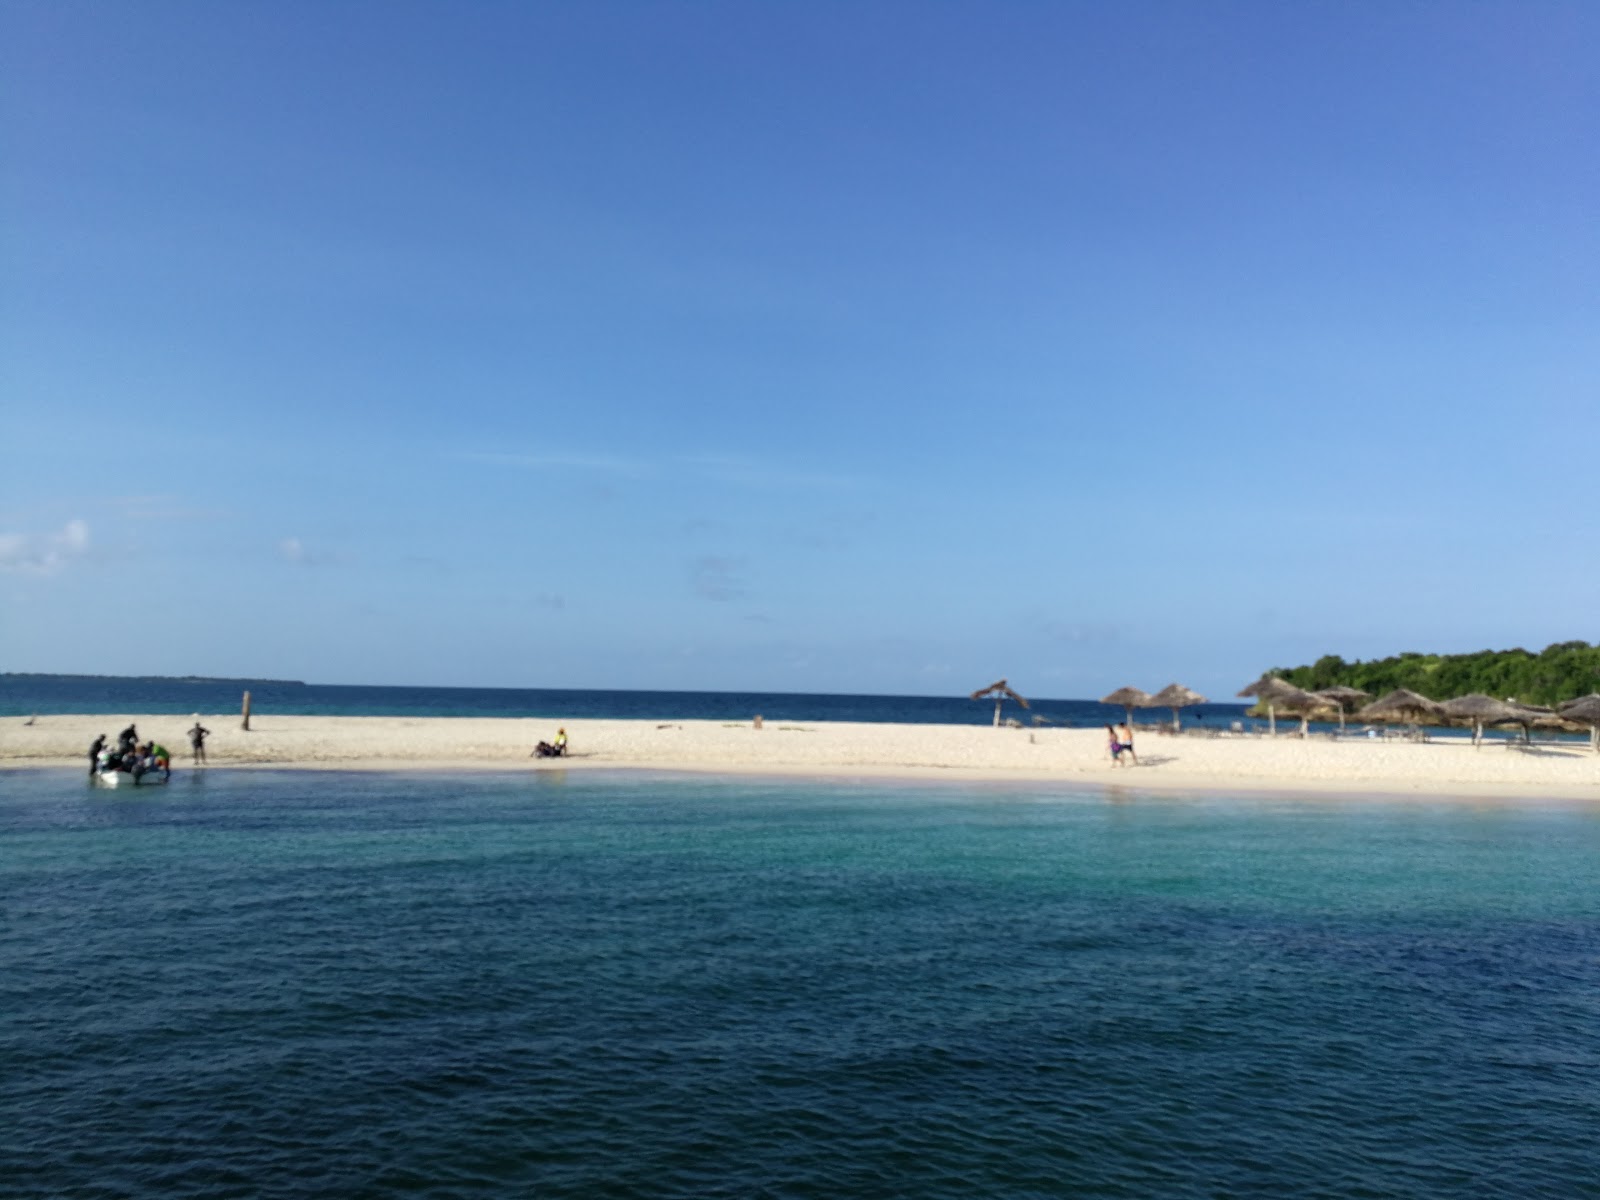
[1353, 765]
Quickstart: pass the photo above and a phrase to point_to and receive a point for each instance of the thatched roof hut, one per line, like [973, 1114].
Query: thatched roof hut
[1476, 706]
[1344, 697]
[1176, 696]
[1529, 715]
[1278, 693]
[1536, 714]
[1267, 683]
[1000, 691]
[1402, 704]
[1130, 698]
[1481, 710]
[1340, 694]
[1585, 709]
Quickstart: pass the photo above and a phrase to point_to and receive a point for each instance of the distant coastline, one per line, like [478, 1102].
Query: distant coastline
[46, 695]
[149, 678]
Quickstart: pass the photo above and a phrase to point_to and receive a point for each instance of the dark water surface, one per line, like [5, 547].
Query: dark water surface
[22, 695]
[293, 984]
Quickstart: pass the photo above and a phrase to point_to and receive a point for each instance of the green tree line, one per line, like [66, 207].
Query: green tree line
[1559, 672]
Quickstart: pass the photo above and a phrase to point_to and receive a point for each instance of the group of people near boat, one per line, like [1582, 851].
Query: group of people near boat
[131, 755]
[140, 758]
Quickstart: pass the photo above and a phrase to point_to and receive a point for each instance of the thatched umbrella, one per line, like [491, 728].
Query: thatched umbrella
[1344, 697]
[1264, 690]
[1297, 700]
[1587, 710]
[1130, 698]
[1278, 693]
[999, 690]
[1481, 710]
[1529, 715]
[1176, 696]
[1405, 705]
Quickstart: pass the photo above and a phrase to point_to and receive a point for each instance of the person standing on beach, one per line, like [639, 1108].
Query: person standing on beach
[197, 741]
[95, 747]
[1120, 741]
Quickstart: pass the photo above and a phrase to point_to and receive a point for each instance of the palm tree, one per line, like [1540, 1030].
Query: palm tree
[999, 690]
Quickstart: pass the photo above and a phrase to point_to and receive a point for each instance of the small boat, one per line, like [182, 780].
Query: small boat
[129, 779]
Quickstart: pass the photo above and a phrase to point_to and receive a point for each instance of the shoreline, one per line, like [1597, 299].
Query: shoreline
[967, 754]
[1166, 786]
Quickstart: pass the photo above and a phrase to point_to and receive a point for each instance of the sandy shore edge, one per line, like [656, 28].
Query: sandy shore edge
[1355, 767]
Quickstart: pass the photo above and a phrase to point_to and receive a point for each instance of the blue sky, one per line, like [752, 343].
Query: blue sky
[822, 347]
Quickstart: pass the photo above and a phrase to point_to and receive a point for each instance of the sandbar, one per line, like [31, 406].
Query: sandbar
[1354, 765]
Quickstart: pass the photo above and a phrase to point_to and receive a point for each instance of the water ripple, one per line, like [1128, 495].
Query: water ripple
[294, 986]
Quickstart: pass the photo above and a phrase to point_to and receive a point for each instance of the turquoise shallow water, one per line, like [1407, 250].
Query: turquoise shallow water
[290, 984]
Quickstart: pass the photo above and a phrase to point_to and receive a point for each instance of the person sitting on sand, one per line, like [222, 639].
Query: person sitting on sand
[556, 749]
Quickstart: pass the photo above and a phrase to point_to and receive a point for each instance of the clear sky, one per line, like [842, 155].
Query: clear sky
[866, 347]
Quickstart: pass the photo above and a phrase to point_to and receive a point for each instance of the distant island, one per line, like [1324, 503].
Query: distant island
[152, 678]
[1562, 671]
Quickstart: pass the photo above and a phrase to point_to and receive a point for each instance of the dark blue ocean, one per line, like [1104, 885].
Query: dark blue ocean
[25, 695]
[262, 984]
[22, 695]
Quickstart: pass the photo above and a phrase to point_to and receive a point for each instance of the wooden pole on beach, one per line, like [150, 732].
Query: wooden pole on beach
[245, 724]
